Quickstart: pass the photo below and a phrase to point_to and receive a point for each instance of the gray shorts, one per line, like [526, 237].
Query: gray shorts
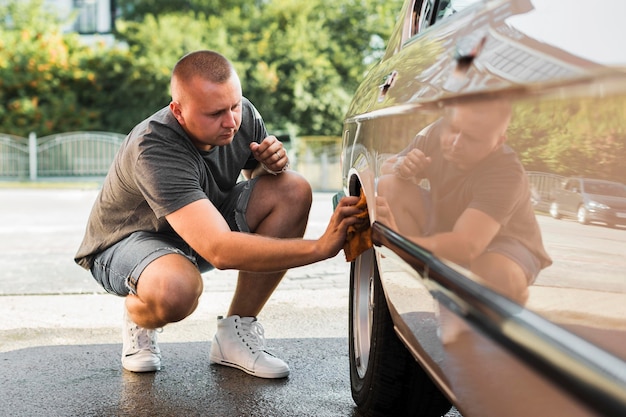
[118, 268]
[518, 253]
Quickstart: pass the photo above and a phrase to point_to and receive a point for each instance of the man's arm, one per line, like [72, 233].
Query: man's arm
[202, 226]
[472, 233]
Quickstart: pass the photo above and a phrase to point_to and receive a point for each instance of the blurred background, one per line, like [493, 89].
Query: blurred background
[77, 75]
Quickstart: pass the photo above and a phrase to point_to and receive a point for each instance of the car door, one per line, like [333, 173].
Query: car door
[557, 86]
[571, 197]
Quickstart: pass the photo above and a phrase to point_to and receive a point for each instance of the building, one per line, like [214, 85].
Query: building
[93, 18]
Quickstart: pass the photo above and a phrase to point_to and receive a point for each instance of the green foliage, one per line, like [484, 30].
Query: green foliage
[122, 89]
[578, 137]
[299, 61]
[137, 10]
[37, 72]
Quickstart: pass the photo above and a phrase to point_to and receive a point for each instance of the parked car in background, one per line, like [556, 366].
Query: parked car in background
[589, 200]
[469, 98]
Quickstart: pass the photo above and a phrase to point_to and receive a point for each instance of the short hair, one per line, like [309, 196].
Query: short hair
[497, 112]
[209, 65]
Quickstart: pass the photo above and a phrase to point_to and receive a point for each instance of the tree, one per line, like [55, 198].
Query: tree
[574, 137]
[37, 70]
[300, 61]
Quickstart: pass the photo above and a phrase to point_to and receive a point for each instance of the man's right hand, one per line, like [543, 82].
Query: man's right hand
[334, 238]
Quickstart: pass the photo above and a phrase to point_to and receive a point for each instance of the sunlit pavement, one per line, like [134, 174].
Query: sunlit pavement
[60, 340]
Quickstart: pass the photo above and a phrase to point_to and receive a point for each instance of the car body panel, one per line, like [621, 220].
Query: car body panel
[564, 74]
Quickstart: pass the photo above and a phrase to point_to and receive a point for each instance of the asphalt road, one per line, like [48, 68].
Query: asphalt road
[60, 340]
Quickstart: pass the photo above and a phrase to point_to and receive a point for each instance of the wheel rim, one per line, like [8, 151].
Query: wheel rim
[362, 310]
[554, 210]
[582, 215]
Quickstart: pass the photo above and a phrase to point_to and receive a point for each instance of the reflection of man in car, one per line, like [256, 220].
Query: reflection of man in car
[477, 211]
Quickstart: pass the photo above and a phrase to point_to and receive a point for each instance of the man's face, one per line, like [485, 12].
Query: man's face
[209, 113]
[471, 133]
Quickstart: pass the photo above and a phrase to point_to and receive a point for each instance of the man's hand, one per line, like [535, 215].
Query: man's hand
[334, 238]
[411, 167]
[271, 154]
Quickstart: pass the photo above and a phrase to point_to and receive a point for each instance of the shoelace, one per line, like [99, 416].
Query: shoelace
[253, 336]
[144, 338]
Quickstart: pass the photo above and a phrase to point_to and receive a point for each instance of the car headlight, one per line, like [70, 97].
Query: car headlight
[595, 205]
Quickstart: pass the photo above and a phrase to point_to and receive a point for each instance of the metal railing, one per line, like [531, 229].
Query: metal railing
[542, 185]
[13, 156]
[62, 155]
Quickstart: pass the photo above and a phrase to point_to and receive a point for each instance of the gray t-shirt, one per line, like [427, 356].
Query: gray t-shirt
[157, 171]
[497, 186]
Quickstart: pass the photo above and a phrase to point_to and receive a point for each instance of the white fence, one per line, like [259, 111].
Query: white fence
[542, 185]
[62, 155]
[89, 154]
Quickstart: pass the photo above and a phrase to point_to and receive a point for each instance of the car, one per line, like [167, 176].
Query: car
[448, 138]
[590, 200]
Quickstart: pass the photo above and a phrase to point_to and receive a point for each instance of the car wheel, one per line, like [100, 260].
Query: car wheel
[582, 215]
[385, 379]
[554, 210]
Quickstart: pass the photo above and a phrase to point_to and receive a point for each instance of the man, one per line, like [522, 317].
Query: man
[477, 211]
[171, 208]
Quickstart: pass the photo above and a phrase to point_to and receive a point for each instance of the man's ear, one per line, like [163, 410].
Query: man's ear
[175, 109]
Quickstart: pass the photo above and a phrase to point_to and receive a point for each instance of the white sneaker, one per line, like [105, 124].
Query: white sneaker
[240, 343]
[140, 352]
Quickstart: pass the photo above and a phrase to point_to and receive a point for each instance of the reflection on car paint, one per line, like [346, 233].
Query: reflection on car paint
[554, 83]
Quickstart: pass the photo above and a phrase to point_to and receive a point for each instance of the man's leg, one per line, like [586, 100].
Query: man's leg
[503, 275]
[161, 285]
[168, 290]
[407, 203]
[278, 207]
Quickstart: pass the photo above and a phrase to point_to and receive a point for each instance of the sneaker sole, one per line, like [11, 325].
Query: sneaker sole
[268, 375]
[149, 367]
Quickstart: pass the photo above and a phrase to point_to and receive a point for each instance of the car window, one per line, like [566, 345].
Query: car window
[605, 188]
[428, 12]
[572, 185]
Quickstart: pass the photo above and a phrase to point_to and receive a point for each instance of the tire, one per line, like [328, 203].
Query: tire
[582, 216]
[385, 379]
[554, 210]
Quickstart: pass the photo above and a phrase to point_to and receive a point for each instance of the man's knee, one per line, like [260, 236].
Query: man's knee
[172, 285]
[298, 189]
[289, 191]
[407, 202]
[503, 275]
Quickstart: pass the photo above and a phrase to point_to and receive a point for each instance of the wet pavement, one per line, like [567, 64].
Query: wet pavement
[60, 336]
[86, 380]
[60, 339]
